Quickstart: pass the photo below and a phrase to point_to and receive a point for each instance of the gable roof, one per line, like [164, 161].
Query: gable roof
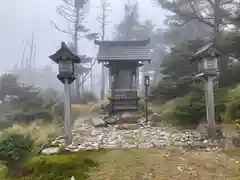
[64, 51]
[123, 50]
[206, 50]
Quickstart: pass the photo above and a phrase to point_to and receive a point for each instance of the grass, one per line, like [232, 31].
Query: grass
[85, 110]
[166, 164]
[41, 132]
[137, 164]
[60, 167]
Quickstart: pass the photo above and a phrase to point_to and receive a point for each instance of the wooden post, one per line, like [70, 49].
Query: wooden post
[137, 78]
[146, 84]
[67, 114]
[112, 87]
[210, 106]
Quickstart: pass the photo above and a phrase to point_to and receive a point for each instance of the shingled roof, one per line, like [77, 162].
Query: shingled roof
[123, 50]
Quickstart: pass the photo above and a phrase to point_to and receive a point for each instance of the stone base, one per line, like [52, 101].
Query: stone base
[135, 135]
[123, 118]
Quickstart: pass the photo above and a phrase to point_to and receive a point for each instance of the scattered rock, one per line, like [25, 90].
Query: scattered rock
[159, 143]
[129, 146]
[155, 119]
[236, 141]
[226, 143]
[146, 145]
[96, 132]
[128, 117]
[51, 150]
[110, 146]
[111, 120]
[127, 126]
[96, 135]
[198, 145]
[181, 144]
[60, 137]
[98, 122]
[202, 128]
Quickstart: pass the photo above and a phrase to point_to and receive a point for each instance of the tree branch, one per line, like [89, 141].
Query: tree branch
[69, 6]
[61, 30]
[198, 16]
[226, 2]
[86, 76]
[65, 15]
[210, 2]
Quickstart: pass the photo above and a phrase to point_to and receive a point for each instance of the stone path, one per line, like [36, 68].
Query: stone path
[86, 136]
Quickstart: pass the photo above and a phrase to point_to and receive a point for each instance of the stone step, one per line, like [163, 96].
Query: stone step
[125, 107]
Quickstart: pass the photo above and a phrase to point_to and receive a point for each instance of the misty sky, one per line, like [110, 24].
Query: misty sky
[19, 18]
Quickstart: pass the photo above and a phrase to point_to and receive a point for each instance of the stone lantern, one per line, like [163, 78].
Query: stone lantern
[66, 62]
[207, 58]
[147, 80]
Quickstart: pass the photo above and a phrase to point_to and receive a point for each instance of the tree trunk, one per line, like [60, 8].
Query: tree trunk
[77, 82]
[103, 68]
[223, 61]
[223, 69]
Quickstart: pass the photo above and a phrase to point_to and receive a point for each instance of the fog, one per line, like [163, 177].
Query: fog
[20, 19]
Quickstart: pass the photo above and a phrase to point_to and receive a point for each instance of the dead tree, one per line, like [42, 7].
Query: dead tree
[73, 12]
[32, 54]
[23, 56]
[102, 19]
[29, 62]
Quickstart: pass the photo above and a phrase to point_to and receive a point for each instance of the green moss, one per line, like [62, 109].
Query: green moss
[61, 167]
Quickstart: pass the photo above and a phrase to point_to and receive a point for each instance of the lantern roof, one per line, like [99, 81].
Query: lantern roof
[64, 54]
[206, 51]
[123, 50]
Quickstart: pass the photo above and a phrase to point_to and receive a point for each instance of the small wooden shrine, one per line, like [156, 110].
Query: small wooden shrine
[123, 59]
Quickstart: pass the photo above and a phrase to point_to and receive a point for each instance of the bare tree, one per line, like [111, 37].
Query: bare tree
[32, 53]
[73, 12]
[23, 56]
[30, 61]
[102, 19]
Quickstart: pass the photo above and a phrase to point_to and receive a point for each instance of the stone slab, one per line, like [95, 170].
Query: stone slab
[52, 150]
[98, 122]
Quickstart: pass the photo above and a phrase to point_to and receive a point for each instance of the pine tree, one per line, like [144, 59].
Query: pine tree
[215, 14]
[130, 28]
[126, 30]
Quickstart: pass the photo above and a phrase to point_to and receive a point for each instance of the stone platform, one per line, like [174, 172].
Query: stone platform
[86, 136]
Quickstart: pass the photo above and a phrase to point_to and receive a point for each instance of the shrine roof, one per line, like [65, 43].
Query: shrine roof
[206, 50]
[123, 50]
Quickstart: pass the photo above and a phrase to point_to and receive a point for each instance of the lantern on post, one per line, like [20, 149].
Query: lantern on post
[146, 80]
[146, 84]
[207, 59]
[66, 60]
